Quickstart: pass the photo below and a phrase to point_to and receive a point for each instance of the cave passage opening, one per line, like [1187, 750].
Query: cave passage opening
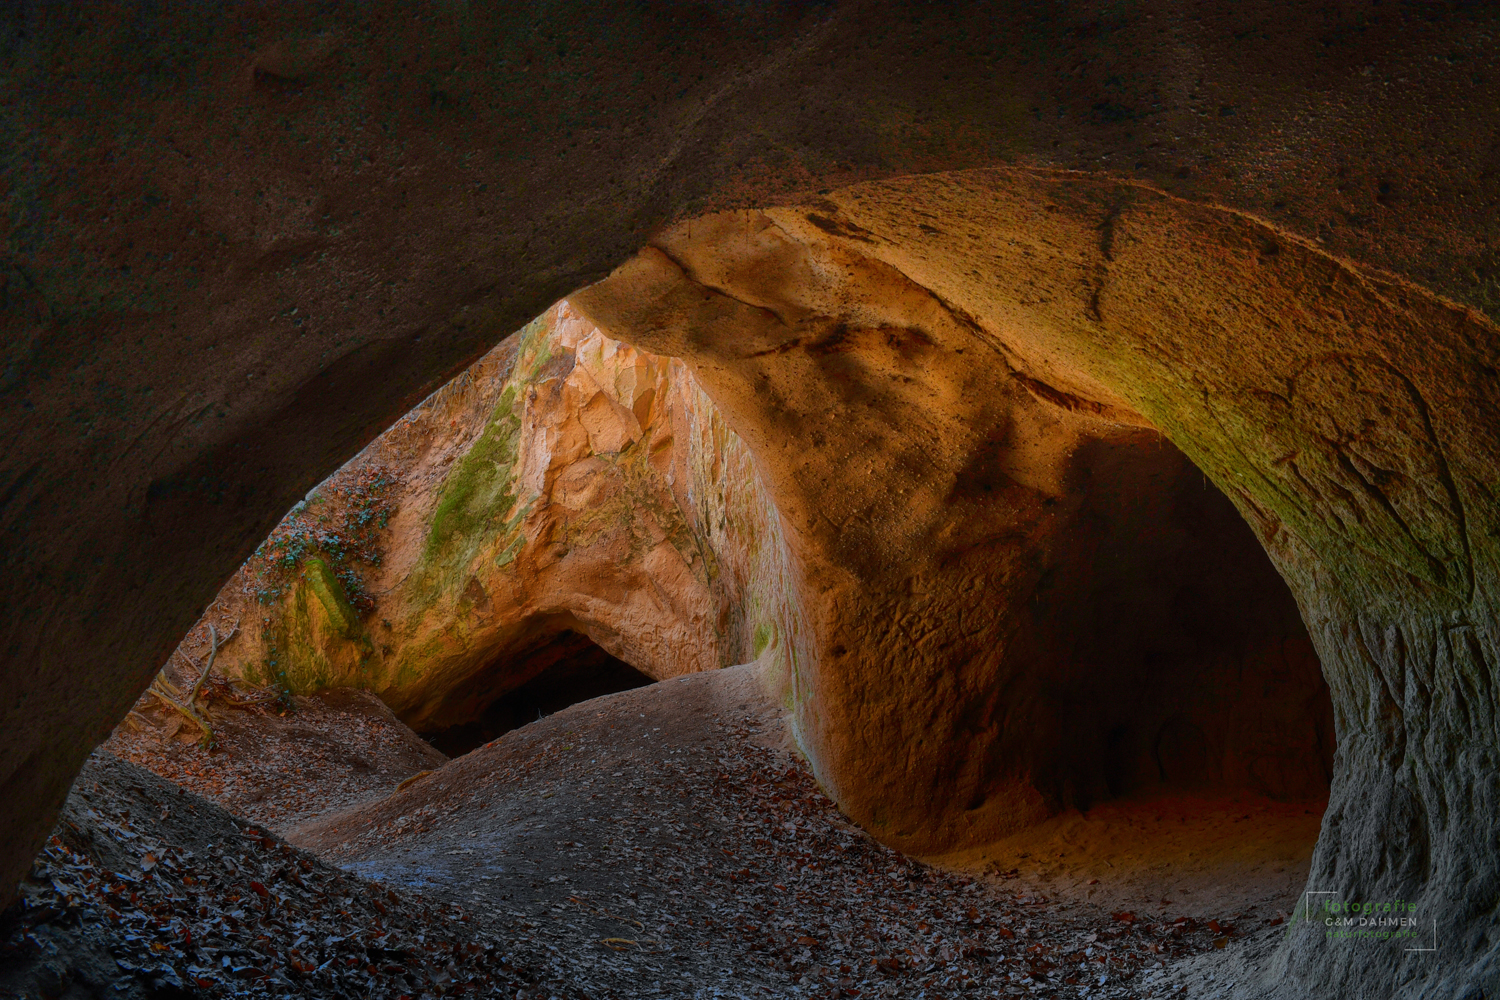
[1159, 721]
[1171, 655]
[564, 669]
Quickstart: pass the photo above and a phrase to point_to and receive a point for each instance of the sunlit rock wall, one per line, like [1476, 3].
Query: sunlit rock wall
[564, 482]
[962, 354]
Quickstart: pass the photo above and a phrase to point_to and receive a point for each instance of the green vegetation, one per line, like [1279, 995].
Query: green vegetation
[320, 548]
[296, 660]
[765, 634]
[477, 492]
[481, 489]
[330, 593]
[340, 523]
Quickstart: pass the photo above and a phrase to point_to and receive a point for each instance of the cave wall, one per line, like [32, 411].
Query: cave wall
[1018, 603]
[903, 330]
[564, 484]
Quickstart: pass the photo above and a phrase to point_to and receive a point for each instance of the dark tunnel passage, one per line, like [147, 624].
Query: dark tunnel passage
[566, 669]
[1169, 655]
[1143, 647]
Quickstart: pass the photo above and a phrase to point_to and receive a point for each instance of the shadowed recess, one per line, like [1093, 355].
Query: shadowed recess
[564, 670]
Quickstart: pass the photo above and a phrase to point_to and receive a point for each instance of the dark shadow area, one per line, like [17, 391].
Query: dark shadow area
[565, 670]
[1176, 658]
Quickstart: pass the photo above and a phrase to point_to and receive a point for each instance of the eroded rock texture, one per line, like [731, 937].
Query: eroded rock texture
[567, 503]
[1021, 603]
[971, 359]
[243, 239]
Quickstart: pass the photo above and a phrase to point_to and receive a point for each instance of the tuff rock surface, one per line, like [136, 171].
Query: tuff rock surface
[945, 347]
[242, 241]
[564, 486]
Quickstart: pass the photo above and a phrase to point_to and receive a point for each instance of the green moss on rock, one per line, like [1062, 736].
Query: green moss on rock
[301, 661]
[479, 490]
[330, 593]
[765, 634]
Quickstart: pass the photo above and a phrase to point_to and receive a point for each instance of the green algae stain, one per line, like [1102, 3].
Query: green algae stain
[765, 634]
[304, 664]
[508, 554]
[480, 489]
[330, 593]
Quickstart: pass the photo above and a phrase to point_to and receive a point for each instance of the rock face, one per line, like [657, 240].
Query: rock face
[972, 358]
[564, 486]
[1022, 601]
[568, 485]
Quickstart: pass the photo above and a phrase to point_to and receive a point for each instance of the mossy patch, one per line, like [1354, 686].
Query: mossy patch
[765, 635]
[476, 493]
[330, 593]
[298, 658]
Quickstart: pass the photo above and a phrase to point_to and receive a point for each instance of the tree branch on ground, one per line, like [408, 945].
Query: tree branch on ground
[169, 694]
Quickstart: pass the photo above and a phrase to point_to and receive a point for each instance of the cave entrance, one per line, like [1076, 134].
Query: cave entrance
[563, 670]
[1168, 704]
[1172, 656]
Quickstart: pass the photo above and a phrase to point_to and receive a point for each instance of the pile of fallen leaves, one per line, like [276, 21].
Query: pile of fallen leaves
[219, 909]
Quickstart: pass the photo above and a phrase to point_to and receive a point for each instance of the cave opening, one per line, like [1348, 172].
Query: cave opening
[1172, 655]
[1158, 724]
[564, 669]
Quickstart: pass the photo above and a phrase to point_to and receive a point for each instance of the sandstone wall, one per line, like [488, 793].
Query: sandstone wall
[973, 358]
[565, 482]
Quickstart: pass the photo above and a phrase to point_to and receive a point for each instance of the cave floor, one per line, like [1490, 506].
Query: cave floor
[147, 892]
[280, 766]
[667, 842]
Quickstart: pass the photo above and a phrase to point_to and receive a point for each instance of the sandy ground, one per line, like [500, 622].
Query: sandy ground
[670, 842]
[667, 841]
[1182, 855]
[1241, 862]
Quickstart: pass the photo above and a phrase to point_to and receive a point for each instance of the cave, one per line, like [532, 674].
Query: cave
[1167, 656]
[564, 670]
[1040, 397]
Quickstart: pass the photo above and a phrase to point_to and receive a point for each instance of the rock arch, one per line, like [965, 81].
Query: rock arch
[568, 502]
[977, 331]
[208, 270]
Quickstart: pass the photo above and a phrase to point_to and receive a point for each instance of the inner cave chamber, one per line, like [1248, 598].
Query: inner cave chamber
[562, 670]
[1006, 546]
[1164, 654]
